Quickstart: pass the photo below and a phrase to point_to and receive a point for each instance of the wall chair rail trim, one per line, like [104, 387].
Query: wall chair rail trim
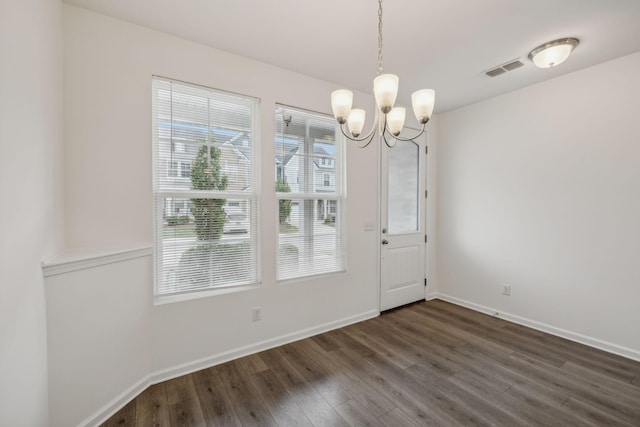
[82, 260]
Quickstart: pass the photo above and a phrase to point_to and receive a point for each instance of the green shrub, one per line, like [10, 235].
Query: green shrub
[215, 264]
[178, 219]
[283, 205]
[287, 249]
[206, 174]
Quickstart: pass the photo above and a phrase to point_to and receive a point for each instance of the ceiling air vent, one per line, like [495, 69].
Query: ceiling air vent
[501, 69]
[512, 65]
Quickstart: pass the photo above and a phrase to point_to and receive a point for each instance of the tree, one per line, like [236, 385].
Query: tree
[284, 205]
[206, 175]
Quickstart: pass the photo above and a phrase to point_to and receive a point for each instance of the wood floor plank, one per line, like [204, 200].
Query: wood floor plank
[524, 344]
[496, 370]
[594, 359]
[252, 364]
[180, 389]
[186, 413]
[314, 406]
[375, 336]
[317, 410]
[282, 406]
[624, 407]
[487, 411]
[611, 383]
[595, 416]
[411, 405]
[526, 412]
[344, 341]
[396, 417]
[302, 357]
[421, 391]
[124, 417]
[345, 374]
[356, 415]
[288, 375]
[216, 407]
[152, 408]
[327, 341]
[430, 363]
[247, 407]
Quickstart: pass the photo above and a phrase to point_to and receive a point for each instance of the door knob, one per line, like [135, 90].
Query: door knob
[385, 242]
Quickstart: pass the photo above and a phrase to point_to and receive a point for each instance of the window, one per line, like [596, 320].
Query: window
[185, 169]
[172, 169]
[310, 191]
[206, 218]
[178, 147]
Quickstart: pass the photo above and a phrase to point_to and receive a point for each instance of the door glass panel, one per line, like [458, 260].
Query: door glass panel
[404, 172]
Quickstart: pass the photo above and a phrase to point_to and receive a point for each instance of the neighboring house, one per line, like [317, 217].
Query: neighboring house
[179, 152]
[325, 180]
[289, 164]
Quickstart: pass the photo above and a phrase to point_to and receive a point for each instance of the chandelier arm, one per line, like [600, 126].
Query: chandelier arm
[422, 130]
[384, 138]
[366, 143]
[383, 133]
[369, 136]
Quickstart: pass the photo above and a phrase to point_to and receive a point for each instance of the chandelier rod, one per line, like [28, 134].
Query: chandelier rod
[379, 37]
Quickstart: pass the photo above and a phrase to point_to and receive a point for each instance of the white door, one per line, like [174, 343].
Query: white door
[403, 227]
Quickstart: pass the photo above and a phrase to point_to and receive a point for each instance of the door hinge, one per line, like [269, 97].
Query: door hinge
[425, 282]
[426, 194]
[426, 149]
[425, 238]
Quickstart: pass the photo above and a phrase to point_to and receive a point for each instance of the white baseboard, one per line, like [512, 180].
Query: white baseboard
[430, 296]
[166, 374]
[563, 333]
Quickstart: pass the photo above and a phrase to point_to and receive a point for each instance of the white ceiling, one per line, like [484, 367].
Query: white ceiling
[442, 44]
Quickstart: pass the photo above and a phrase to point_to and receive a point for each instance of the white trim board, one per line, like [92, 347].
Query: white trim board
[563, 333]
[74, 261]
[431, 296]
[167, 374]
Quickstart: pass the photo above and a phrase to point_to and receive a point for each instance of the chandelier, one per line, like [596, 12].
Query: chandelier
[389, 120]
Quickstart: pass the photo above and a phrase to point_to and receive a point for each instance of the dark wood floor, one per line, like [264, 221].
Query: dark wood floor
[430, 363]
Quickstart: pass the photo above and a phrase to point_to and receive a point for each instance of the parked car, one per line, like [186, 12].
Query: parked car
[236, 223]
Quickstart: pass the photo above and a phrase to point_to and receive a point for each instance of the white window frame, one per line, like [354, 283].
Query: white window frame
[338, 194]
[253, 197]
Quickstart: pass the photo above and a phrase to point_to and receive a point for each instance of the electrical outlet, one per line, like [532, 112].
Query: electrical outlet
[506, 290]
[256, 314]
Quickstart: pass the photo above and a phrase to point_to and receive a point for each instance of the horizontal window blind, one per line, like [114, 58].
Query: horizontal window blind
[310, 191]
[205, 193]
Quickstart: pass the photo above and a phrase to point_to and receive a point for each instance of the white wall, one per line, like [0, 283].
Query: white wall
[108, 66]
[99, 336]
[30, 190]
[540, 189]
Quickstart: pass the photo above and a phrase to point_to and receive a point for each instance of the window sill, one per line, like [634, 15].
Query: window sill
[169, 299]
[314, 277]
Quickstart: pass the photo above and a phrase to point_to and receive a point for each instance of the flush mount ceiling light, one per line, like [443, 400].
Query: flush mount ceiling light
[553, 53]
[388, 120]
